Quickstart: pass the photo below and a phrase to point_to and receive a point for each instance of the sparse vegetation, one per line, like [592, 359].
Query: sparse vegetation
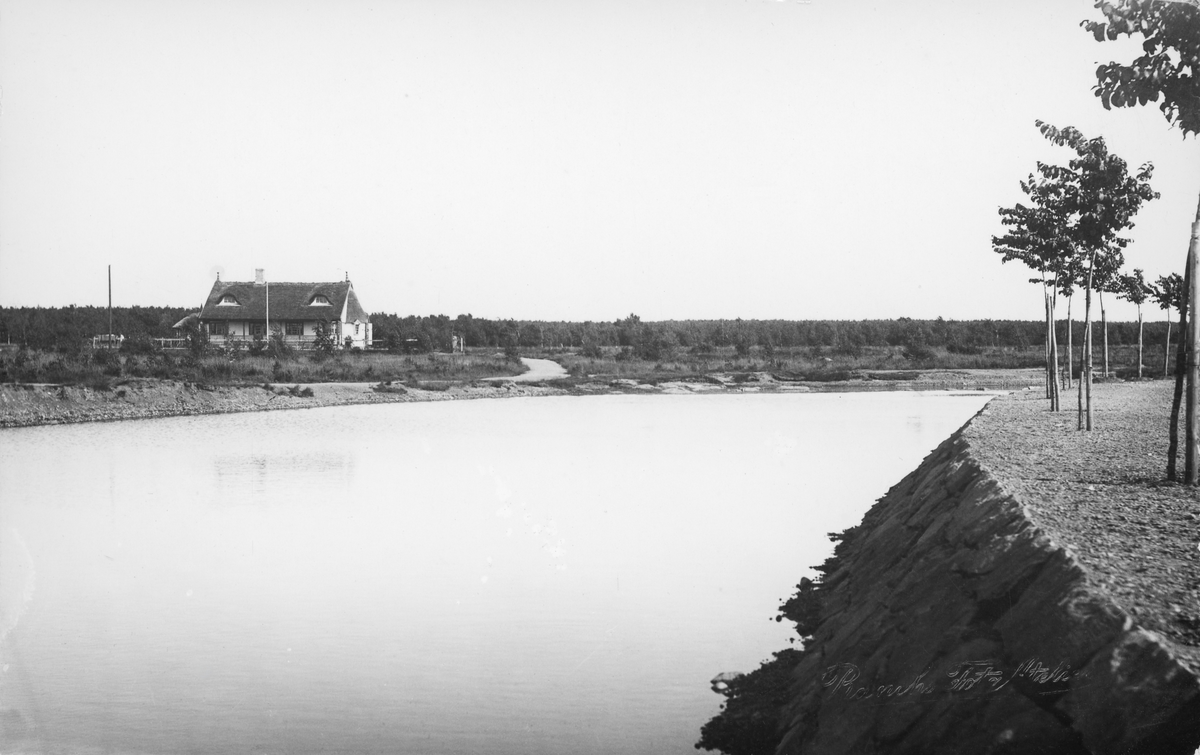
[808, 363]
[237, 367]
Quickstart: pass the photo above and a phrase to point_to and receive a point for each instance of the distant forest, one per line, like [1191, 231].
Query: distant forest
[69, 328]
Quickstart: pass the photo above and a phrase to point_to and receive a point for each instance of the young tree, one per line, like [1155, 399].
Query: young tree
[1132, 288]
[1168, 70]
[1038, 236]
[1172, 291]
[1099, 198]
[1107, 280]
[1167, 293]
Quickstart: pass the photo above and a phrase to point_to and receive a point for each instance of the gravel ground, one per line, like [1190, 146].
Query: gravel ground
[1103, 495]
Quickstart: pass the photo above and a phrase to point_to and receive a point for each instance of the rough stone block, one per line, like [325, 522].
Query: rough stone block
[1134, 697]
[1002, 567]
[983, 511]
[1057, 620]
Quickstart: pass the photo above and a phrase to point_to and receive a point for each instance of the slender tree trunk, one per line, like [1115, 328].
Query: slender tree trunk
[1055, 400]
[1085, 378]
[1049, 368]
[1087, 370]
[1070, 344]
[1167, 351]
[1139, 342]
[1104, 327]
[1192, 447]
[1180, 372]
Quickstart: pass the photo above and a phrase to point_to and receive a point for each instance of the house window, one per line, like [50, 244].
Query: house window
[319, 301]
[218, 328]
[228, 301]
[258, 329]
[294, 328]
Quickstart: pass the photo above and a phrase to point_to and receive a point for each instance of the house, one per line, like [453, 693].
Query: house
[249, 311]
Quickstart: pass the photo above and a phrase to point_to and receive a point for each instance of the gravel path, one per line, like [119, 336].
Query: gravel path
[1103, 494]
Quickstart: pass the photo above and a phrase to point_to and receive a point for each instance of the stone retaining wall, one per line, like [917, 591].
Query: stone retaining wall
[951, 624]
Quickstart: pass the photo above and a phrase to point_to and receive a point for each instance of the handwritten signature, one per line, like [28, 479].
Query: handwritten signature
[984, 676]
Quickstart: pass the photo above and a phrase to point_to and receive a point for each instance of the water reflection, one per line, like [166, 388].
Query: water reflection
[243, 478]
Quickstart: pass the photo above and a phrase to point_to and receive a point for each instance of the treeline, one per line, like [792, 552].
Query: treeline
[66, 328]
[435, 333]
[69, 328]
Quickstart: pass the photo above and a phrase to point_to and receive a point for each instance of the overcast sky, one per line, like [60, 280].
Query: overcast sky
[553, 159]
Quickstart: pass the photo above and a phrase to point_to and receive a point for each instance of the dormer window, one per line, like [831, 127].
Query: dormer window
[319, 301]
[228, 301]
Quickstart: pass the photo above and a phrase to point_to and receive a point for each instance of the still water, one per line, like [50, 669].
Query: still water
[548, 575]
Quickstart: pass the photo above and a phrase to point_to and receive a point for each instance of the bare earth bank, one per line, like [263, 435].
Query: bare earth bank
[23, 405]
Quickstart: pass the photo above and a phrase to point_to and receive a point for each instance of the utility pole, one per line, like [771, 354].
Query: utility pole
[110, 333]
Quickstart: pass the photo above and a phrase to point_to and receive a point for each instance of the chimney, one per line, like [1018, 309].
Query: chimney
[258, 276]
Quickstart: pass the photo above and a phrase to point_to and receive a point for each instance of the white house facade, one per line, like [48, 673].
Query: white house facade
[236, 311]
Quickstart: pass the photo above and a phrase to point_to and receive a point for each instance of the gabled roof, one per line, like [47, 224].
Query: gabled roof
[289, 301]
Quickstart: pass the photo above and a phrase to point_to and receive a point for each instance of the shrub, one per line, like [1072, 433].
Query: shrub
[278, 348]
[919, 352]
[234, 350]
[196, 338]
[958, 348]
[106, 357]
[655, 344]
[139, 344]
[592, 350]
[324, 343]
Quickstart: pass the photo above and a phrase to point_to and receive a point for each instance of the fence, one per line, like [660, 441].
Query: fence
[107, 341]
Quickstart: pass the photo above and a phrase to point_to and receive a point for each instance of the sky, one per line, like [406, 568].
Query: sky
[555, 159]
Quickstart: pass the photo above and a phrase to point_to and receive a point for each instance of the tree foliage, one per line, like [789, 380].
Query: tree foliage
[67, 328]
[1132, 287]
[1167, 292]
[1038, 233]
[1167, 71]
[1099, 195]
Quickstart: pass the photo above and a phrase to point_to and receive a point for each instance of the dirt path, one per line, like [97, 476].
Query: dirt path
[539, 369]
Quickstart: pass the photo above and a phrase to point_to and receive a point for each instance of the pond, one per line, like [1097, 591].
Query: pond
[542, 575]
